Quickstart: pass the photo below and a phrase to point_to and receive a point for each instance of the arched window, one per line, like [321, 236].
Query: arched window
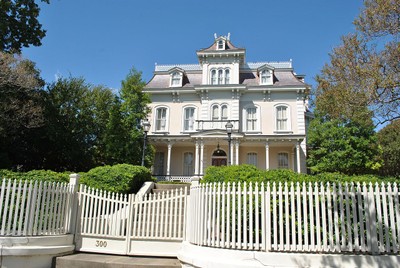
[213, 77]
[176, 79]
[188, 120]
[282, 118]
[188, 164]
[252, 159]
[220, 76]
[283, 160]
[215, 113]
[224, 112]
[227, 76]
[161, 119]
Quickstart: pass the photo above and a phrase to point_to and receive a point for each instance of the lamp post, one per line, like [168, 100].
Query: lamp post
[229, 127]
[146, 127]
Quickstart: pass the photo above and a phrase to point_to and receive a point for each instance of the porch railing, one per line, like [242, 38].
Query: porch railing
[216, 124]
[181, 178]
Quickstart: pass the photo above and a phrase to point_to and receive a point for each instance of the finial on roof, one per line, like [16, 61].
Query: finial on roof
[215, 35]
[229, 37]
[155, 63]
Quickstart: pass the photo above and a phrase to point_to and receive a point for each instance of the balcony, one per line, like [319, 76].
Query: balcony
[202, 125]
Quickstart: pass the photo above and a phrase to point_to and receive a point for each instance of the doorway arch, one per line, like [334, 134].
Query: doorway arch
[219, 157]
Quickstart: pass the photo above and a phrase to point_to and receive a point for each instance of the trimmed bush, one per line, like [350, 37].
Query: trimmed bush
[121, 178]
[249, 173]
[40, 175]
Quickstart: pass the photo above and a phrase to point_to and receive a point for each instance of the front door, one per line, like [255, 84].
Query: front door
[219, 162]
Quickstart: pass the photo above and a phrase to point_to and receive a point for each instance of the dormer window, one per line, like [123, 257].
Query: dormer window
[176, 79]
[265, 77]
[221, 45]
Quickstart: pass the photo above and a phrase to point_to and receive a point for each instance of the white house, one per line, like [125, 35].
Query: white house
[192, 104]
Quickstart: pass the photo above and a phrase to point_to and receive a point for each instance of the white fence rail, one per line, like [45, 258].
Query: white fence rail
[30, 208]
[296, 217]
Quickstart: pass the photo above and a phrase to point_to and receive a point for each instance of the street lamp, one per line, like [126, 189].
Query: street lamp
[229, 127]
[146, 127]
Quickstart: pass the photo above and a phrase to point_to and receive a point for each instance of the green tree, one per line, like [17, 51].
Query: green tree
[364, 70]
[342, 146]
[19, 26]
[21, 111]
[389, 140]
[134, 109]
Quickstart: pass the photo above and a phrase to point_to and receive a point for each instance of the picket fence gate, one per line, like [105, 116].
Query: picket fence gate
[32, 208]
[289, 217]
[127, 224]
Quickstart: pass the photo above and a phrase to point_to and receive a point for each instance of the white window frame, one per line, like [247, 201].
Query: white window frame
[257, 127]
[184, 119]
[279, 160]
[288, 118]
[266, 77]
[176, 77]
[222, 43]
[252, 158]
[220, 76]
[188, 170]
[156, 111]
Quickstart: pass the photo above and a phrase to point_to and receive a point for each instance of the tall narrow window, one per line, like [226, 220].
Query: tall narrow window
[215, 113]
[159, 163]
[220, 44]
[265, 77]
[213, 77]
[283, 160]
[188, 164]
[227, 76]
[161, 119]
[281, 118]
[220, 77]
[188, 123]
[224, 112]
[176, 79]
[252, 159]
[251, 119]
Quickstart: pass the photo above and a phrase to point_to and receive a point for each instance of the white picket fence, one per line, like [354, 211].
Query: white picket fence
[129, 224]
[30, 208]
[296, 217]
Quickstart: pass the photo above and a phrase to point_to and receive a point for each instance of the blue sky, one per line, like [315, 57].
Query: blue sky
[101, 40]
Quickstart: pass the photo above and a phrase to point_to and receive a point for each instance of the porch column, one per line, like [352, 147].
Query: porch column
[266, 156]
[196, 159]
[237, 152]
[169, 159]
[201, 158]
[298, 157]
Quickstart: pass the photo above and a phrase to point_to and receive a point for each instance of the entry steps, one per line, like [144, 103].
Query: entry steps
[163, 187]
[90, 260]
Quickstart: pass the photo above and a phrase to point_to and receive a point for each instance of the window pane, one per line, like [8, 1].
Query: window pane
[220, 76]
[283, 160]
[227, 76]
[215, 110]
[161, 118]
[189, 119]
[188, 164]
[159, 163]
[224, 112]
[251, 118]
[281, 117]
[176, 79]
[252, 159]
[213, 77]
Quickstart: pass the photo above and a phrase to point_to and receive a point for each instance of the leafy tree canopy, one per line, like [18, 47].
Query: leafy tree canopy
[19, 26]
[342, 146]
[364, 70]
[389, 140]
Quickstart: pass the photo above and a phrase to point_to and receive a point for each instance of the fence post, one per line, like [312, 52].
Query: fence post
[74, 184]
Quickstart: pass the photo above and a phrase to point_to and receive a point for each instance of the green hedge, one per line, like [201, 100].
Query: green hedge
[249, 173]
[121, 178]
[40, 175]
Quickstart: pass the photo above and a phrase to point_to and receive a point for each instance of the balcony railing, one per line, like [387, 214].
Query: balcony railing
[216, 124]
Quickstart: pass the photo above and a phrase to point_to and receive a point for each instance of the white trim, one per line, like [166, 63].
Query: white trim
[194, 118]
[166, 128]
[288, 116]
[258, 118]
